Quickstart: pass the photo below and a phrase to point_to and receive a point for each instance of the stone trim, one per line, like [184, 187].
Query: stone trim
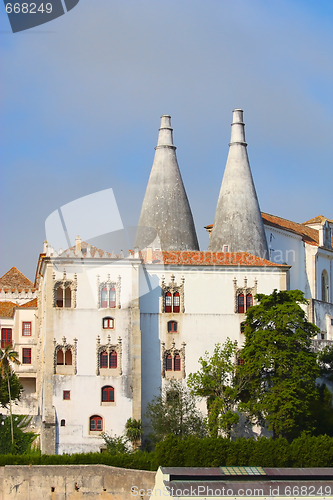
[65, 347]
[172, 287]
[173, 351]
[65, 283]
[244, 290]
[108, 348]
[108, 284]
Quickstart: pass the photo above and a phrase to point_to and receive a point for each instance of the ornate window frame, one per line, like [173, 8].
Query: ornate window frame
[245, 290]
[172, 287]
[109, 347]
[65, 283]
[173, 351]
[65, 347]
[108, 283]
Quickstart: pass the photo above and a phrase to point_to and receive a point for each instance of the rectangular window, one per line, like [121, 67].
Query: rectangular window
[99, 425]
[26, 328]
[26, 356]
[66, 395]
[6, 337]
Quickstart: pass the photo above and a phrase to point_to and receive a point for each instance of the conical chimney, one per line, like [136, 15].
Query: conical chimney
[166, 212]
[238, 226]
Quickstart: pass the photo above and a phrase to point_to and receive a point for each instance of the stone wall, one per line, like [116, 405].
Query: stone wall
[73, 482]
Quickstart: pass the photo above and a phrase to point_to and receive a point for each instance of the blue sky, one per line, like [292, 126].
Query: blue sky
[82, 96]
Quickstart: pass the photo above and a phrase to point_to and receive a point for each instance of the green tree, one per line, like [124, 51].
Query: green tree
[133, 432]
[174, 411]
[115, 445]
[279, 367]
[215, 381]
[7, 357]
[22, 439]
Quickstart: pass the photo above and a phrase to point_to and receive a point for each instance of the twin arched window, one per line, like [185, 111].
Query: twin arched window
[172, 302]
[173, 363]
[64, 297]
[108, 297]
[243, 303]
[108, 360]
[64, 358]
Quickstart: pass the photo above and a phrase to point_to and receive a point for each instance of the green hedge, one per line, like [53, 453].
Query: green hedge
[305, 451]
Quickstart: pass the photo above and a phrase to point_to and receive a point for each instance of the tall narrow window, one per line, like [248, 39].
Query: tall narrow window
[113, 359]
[107, 394]
[26, 328]
[240, 303]
[68, 357]
[249, 301]
[177, 363]
[168, 302]
[96, 423]
[324, 286]
[68, 297]
[60, 357]
[242, 327]
[104, 297]
[104, 359]
[112, 300]
[6, 337]
[60, 298]
[176, 302]
[168, 362]
[26, 356]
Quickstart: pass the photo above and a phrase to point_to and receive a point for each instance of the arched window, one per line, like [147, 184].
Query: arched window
[60, 300]
[103, 359]
[113, 359]
[96, 423]
[60, 357]
[68, 357]
[249, 301]
[324, 286]
[108, 323]
[168, 302]
[172, 326]
[177, 363]
[112, 297]
[176, 302]
[63, 297]
[107, 394]
[104, 297]
[168, 362]
[68, 297]
[62, 422]
[240, 303]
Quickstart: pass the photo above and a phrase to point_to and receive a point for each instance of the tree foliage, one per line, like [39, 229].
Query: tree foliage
[215, 381]
[133, 432]
[22, 440]
[174, 411]
[279, 367]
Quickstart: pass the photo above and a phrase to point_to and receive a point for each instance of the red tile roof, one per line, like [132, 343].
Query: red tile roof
[319, 219]
[7, 309]
[15, 280]
[196, 258]
[308, 234]
[84, 247]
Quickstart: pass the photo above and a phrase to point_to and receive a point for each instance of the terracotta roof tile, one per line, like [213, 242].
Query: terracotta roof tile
[7, 309]
[15, 280]
[318, 219]
[196, 258]
[308, 234]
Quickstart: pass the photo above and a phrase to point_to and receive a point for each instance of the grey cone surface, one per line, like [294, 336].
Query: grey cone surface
[238, 223]
[166, 209]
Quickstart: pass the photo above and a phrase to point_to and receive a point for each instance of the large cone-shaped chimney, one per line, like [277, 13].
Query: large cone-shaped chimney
[165, 209]
[238, 226]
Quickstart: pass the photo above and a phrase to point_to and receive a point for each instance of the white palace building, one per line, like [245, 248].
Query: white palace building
[98, 334]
